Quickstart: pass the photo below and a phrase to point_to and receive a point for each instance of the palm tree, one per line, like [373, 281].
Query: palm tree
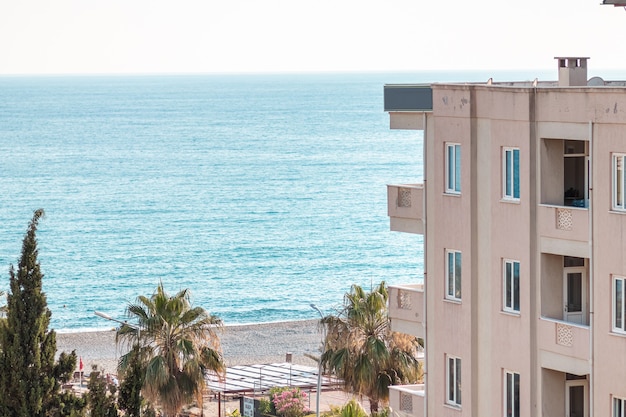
[178, 346]
[363, 351]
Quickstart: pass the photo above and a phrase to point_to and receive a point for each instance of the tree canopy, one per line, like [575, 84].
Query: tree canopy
[178, 346]
[363, 351]
[29, 376]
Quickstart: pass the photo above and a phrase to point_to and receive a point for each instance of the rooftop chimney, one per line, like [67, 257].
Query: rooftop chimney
[572, 71]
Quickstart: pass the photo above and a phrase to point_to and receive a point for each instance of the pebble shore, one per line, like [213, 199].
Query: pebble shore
[241, 345]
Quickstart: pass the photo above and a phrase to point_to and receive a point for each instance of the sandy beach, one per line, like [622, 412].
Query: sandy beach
[241, 344]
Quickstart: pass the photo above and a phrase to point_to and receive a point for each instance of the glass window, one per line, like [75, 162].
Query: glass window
[618, 305]
[618, 182]
[453, 372]
[511, 173]
[511, 394]
[453, 275]
[453, 168]
[618, 407]
[570, 261]
[576, 147]
[511, 286]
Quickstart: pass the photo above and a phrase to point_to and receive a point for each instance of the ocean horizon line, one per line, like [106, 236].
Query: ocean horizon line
[467, 74]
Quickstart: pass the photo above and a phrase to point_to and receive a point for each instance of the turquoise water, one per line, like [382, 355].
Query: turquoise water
[260, 193]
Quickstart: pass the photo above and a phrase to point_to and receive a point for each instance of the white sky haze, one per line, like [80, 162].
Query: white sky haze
[208, 36]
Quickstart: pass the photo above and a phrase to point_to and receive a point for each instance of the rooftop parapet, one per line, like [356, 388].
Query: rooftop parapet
[418, 98]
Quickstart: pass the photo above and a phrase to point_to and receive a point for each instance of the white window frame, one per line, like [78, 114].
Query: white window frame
[454, 278]
[618, 316]
[618, 172]
[508, 304]
[619, 407]
[509, 394]
[453, 380]
[453, 171]
[510, 183]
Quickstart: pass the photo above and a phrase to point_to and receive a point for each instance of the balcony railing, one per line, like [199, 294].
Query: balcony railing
[407, 400]
[566, 345]
[564, 223]
[406, 309]
[405, 207]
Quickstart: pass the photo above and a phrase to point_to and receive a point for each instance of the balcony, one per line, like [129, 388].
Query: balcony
[406, 309]
[407, 400]
[563, 346]
[405, 207]
[564, 230]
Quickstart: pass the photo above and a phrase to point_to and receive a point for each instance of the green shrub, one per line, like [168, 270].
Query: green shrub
[265, 406]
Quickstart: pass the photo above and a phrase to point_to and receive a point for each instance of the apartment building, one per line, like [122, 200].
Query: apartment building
[523, 211]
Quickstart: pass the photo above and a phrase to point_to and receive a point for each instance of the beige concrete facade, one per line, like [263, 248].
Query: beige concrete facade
[521, 306]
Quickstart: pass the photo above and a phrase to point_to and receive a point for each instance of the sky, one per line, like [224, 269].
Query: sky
[251, 36]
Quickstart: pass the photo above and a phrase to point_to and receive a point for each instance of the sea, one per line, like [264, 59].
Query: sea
[259, 193]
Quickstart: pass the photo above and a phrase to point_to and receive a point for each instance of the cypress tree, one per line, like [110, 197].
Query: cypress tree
[28, 373]
[101, 396]
[129, 398]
